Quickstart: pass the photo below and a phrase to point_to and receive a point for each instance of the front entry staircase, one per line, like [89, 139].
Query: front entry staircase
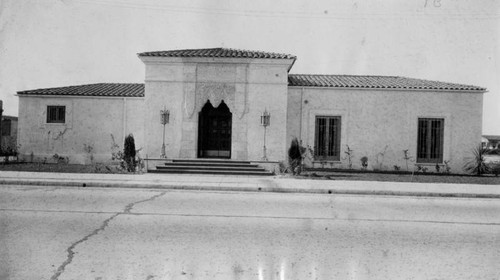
[210, 166]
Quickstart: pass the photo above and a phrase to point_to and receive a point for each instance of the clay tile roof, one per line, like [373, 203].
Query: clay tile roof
[102, 89]
[376, 82]
[218, 52]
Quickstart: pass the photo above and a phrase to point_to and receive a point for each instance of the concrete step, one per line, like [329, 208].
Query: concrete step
[221, 164]
[211, 172]
[209, 167]
[215, 161]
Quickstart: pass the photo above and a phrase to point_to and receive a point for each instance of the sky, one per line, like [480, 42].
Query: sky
[52, 43]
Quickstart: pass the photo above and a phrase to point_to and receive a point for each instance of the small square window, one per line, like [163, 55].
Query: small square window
[56, 114]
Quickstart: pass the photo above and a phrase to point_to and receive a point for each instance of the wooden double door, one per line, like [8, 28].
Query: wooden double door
[214, 131]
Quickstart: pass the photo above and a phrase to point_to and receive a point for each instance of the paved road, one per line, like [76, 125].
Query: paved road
[69, 233]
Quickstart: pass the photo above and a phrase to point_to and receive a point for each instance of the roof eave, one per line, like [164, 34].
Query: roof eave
[391, 89]
[74, 95]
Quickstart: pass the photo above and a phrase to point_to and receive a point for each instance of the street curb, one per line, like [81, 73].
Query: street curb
[217, 187]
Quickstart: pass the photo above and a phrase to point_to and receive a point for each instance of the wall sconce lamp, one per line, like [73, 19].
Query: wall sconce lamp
[265, 121]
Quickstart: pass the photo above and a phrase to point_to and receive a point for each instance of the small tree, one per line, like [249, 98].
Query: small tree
[379, 158]
[407, 157]
[349, 154]
[477, 165]
[89, 149]
[129, 153]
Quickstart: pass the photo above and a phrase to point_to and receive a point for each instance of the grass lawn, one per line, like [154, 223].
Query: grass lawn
[402, 177]
[311, 174]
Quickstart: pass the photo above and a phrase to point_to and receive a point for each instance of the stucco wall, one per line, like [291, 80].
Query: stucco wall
[89, 121]
[248, 87]
[375, 119]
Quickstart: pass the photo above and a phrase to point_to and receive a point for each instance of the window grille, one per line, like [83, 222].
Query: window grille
[430, 140]
[327, 138]
[56, 114]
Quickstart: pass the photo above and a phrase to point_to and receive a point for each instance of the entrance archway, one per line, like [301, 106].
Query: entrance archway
[214, 131]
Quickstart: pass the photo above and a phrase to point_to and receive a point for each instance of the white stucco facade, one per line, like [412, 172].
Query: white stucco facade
[247, 86]
[89, 121]
[378, 123]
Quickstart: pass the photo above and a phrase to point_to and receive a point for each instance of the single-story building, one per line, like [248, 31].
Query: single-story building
[8, 134]
[216, 99]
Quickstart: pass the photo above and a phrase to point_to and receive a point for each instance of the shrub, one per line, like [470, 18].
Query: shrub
[59, 159]
[9, 150]
[438, 168]
[447, 168]
[129, 153]
[295, 155]
[117, 153]
[495, 169]
[419, 167]
[281, 167]
[364, 162]
[477, 165]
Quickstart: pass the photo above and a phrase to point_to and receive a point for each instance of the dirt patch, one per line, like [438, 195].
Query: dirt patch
[61, 168]
[317, 175]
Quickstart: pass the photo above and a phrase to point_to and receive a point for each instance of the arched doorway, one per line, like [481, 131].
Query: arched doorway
[214, 131]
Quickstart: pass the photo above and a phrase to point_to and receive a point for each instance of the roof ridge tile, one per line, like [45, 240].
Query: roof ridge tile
[218, 52]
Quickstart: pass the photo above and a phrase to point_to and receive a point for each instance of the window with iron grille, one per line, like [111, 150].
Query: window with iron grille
[327, 138]
[56, 114]
[6, 127]
[430, 140]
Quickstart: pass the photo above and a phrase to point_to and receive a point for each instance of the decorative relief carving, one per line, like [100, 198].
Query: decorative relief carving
[241, 100]
[244, 95]
[215, 92]
[189, 100]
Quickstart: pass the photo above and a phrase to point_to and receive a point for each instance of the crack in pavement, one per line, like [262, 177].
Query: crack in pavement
[262, 217]
[105, 223]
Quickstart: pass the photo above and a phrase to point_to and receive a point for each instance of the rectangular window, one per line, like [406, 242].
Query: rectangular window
[6, 127]
[327, 138]
[430, 140]
[56, 114]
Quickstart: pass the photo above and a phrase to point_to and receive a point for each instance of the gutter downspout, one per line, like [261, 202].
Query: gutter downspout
[301, 117]
[124, 118]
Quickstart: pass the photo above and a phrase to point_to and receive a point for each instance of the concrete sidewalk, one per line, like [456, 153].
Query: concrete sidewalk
[247, 183]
